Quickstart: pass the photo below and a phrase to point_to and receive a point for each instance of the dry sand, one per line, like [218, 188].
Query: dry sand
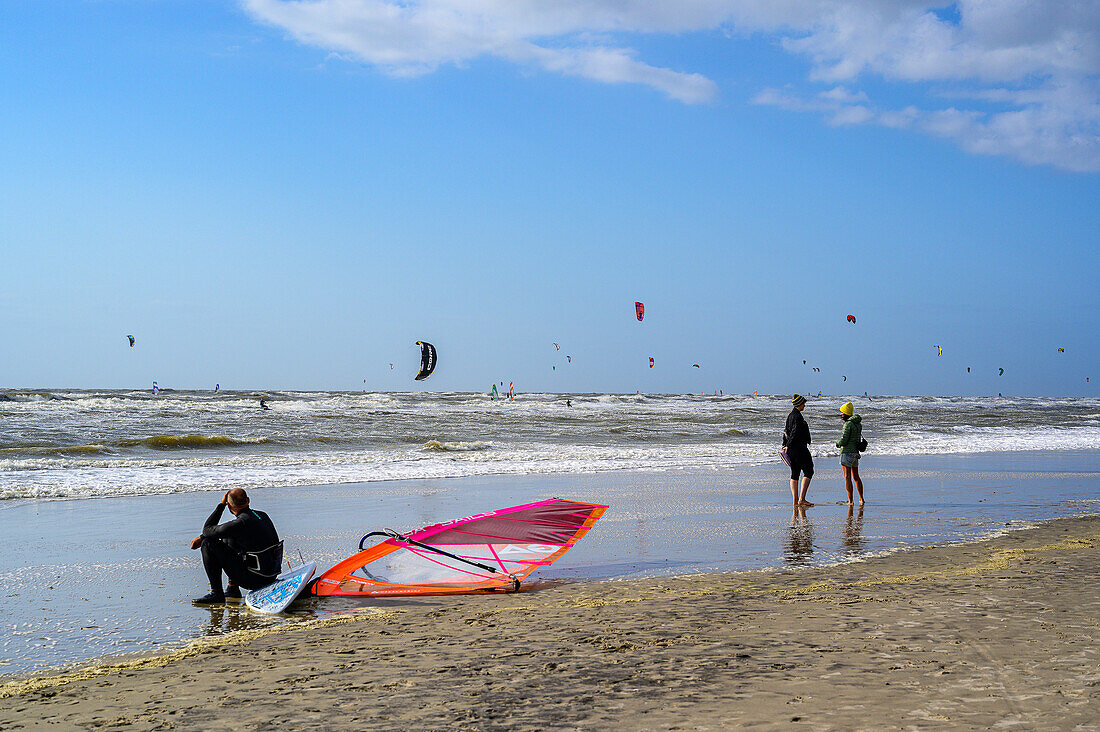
[1002, 633]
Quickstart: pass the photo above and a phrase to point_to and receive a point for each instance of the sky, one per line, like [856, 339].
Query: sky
[288, 195]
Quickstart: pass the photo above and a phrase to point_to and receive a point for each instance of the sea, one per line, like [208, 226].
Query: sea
[82, 444]
[101, 491]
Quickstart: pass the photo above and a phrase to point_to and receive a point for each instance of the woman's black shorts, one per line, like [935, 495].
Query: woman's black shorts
[801, 462]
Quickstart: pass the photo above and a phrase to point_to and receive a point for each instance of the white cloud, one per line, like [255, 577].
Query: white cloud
[1036, 61]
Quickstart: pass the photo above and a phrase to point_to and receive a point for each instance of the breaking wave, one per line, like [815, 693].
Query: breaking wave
[437, 446]
[191, 442]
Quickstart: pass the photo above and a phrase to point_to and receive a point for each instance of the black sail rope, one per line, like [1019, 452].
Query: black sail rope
[391, 534]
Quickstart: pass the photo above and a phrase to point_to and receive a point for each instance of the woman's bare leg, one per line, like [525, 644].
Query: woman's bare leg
[847, 481]
[858, 482]
[805, 489]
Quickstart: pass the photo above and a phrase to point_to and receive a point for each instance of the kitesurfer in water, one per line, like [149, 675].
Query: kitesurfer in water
[849, 443]
[247, 549]
[796, 438]
[263, 403]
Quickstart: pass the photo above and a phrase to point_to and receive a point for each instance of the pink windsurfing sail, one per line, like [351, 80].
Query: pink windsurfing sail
[487, 552]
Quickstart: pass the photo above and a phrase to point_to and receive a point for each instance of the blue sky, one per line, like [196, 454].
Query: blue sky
[277, 195]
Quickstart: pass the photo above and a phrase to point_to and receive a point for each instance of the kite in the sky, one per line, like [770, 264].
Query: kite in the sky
[803, 362]
[639, 310]
[651, 362]
[939, 350]
[695, 365]
[569, 359]
[557, 347]
[131, 340]
[817, 370]
[1061, 350]
[852, 319]
[845, 378]
[427, 360]
[1000, 372]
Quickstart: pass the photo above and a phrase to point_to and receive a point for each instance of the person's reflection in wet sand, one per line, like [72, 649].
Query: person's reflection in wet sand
[852, 537]
[225, 620]
[800, 544]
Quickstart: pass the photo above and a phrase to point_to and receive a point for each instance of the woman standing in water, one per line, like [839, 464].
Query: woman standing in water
[849, 450]
[796, 438]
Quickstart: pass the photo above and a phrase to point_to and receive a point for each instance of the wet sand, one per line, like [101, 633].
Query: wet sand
[1003, 632]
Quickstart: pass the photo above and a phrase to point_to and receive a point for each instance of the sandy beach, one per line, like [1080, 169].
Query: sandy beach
[1002, 632]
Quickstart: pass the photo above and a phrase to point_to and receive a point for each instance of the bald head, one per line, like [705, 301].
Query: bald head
[237, 498]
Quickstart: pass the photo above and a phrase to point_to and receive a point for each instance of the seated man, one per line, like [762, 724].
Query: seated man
[247, 549]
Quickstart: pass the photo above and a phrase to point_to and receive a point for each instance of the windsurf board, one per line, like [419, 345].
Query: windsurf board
[277, 596]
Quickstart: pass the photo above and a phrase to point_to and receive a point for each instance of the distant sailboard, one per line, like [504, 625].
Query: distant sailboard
[427, 360]
[489, 552]
[277, 596]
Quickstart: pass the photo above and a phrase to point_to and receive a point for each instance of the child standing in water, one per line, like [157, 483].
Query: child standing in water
[849, 450]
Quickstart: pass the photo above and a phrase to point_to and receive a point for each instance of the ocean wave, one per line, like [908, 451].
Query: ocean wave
[22, 396]
[60, 450]
[102, 442]
[437, 446]
[191, 442]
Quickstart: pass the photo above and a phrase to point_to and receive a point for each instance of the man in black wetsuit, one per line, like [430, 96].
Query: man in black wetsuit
[796, 438]
[247, 549]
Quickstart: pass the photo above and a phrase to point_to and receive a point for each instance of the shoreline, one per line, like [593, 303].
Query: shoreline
[962, 634]
[899, 463]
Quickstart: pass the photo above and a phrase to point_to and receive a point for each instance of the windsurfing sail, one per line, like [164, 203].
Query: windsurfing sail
[488, 552]
[493, 393]
[639, 310]
[427, 360]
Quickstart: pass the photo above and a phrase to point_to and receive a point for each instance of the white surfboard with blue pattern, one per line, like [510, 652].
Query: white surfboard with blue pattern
[277, 596]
